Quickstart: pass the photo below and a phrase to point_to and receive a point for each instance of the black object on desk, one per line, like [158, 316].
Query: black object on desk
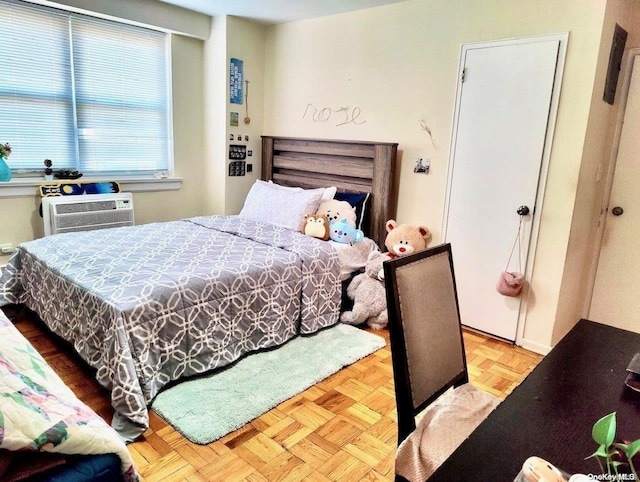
[551, 413]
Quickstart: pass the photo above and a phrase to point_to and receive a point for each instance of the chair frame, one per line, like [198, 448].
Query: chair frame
[404, 400]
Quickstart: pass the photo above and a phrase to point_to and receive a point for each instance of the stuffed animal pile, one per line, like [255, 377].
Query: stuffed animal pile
[367, 289]
[335, 220]
[336, 210]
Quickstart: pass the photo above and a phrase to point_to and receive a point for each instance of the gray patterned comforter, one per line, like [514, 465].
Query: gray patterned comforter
[150, 304]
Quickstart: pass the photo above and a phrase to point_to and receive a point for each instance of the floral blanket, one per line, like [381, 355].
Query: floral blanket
[39, 413]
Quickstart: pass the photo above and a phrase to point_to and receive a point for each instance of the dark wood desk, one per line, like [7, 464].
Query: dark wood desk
[551, 413]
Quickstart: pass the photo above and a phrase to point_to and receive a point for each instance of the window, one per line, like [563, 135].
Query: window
[88, 93]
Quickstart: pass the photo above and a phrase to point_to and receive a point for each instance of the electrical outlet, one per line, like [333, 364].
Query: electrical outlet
[6, 248]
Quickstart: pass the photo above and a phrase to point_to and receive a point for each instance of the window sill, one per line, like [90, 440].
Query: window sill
[27, 187]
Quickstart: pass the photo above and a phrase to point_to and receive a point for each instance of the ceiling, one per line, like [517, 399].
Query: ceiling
[277, 11]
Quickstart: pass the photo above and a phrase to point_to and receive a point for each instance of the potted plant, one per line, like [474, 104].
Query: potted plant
[5, 170]
[615, 453]
[48, 171]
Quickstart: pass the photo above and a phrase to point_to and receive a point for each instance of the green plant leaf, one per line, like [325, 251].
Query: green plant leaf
[615, 465]
[604, 430]
[601, 452]
[631, 449]
[634, 448]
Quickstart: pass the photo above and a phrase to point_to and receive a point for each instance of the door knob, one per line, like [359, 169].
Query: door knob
[617, 211]
[523, 210]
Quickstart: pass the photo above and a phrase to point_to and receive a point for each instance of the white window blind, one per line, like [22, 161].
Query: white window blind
[36, 100]
[88, 93]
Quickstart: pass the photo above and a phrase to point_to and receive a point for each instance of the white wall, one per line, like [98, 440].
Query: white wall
[398, 64]
[246, 42]
[582, 256]
[232, 37]
[212, 170]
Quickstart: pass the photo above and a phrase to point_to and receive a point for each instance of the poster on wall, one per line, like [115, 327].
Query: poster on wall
[235, 79]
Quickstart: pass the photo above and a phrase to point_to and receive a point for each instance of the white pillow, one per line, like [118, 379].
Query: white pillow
[279, 205]
[329, 192]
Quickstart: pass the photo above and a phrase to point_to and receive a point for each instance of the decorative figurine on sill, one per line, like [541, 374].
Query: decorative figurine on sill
[67, 174]
[48, 171]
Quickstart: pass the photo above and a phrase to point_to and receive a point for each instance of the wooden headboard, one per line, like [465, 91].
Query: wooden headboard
[351, 166]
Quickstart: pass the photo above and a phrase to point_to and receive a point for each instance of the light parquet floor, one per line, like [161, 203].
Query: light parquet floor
[342, 429]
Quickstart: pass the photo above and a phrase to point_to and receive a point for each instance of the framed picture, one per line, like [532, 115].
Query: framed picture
[235, 81]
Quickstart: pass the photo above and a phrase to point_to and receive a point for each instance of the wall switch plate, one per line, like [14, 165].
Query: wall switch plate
[6, 248]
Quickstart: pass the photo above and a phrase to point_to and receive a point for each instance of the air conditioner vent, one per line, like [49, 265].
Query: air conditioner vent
[88, 206]
[86, 212]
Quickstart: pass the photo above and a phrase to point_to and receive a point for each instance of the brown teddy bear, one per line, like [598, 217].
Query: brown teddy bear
[367, 289]
[404, 239]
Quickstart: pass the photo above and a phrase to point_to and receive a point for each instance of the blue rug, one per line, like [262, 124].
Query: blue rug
[209, 407]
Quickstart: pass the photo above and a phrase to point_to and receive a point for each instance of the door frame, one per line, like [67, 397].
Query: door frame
[608, 186]
[562, 39]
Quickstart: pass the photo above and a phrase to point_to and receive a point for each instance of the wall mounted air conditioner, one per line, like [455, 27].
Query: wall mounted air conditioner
[64, 214]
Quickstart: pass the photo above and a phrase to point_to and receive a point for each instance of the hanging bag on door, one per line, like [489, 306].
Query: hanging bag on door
[511, 283]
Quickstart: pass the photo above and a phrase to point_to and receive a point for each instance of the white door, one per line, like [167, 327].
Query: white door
[504, 105]
[616, 294]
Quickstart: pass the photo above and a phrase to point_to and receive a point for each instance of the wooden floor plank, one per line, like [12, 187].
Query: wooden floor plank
[342, 429]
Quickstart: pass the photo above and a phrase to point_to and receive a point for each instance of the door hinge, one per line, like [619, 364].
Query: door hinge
[464, 74]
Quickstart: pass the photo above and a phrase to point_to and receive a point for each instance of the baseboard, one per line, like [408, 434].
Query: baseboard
[486, 334]
[535, 347]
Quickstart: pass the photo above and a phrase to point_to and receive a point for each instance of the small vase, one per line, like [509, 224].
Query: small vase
[5, 170]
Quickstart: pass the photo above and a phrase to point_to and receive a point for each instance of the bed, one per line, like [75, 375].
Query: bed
[45, 431]
[151, 304]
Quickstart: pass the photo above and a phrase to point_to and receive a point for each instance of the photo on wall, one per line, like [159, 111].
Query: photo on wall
[235, 81]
